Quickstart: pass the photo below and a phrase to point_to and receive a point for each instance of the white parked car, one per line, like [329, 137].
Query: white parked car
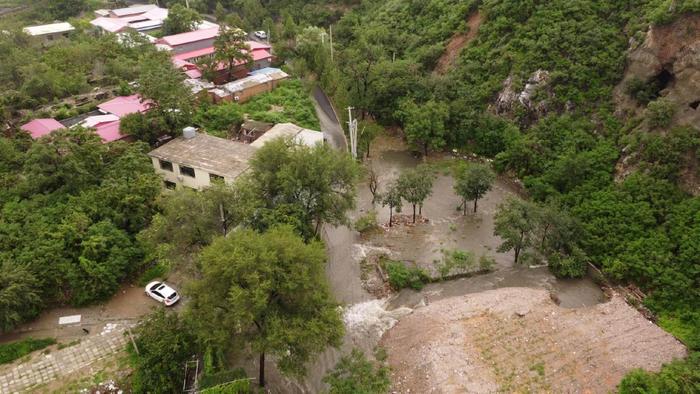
[261, 34]
[161, 292]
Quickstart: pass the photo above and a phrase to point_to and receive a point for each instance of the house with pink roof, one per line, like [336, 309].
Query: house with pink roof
[124, 105]
[262, 58]
[109, 132]
[191, 41]
[41, 127]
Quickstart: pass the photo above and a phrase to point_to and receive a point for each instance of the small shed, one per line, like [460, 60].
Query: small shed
[251, 130]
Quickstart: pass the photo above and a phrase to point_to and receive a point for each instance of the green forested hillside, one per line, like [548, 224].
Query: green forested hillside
[643, 229]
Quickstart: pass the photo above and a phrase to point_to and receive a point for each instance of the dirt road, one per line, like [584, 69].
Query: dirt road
[517, 340]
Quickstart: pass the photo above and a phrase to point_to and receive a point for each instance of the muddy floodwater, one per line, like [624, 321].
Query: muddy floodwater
[446, 228]
[367, 318]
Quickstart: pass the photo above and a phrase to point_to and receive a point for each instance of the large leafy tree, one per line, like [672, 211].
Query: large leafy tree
[161, 85]
[232, 48]
[159, 358]
[415, 186]
[181, 20]
[268, 290]
[63, 9]
[515, 223]
[302, 185]
[20, 297]
[392, 198]
[473, 182]
[425, 124]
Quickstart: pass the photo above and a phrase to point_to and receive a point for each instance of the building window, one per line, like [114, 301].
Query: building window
[213, 178]
[188, 171]
[166, 165]
[170, 185]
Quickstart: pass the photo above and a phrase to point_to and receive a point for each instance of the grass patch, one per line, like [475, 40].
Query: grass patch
[10, 352]
[452, 260]
[288, 103]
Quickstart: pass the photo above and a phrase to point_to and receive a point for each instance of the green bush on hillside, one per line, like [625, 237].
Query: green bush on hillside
[14, 350]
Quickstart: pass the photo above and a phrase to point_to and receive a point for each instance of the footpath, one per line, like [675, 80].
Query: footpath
[42, 368]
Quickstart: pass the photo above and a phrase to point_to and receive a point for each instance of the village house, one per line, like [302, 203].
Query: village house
[49, 33]
[106, 121]
[196, 160]
[141, 18]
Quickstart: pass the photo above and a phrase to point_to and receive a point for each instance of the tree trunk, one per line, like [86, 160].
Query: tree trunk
[391, 216]
[517, 254]
[425, 149]
[475, 200]
[464, 207]
[414, 213]
[262, 370]
[420, 210]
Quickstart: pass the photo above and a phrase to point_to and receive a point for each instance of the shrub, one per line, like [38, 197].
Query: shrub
[153, 272]
[642, 91]
[680, 376]
[354, 373]
[367, 222]
[401, 277]
[456, 259]
[568, 266]
[221, 378]
[486, 263]
[14, 350]
[660, 113]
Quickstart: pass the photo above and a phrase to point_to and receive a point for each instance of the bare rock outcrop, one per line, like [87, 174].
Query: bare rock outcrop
[534, 96]
[668, 57]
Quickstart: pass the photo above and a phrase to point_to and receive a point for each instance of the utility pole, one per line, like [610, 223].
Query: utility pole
[352, 129]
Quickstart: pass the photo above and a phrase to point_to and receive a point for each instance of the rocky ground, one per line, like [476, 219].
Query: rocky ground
[518, 339]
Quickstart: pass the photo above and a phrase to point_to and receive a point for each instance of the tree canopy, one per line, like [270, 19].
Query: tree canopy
[181, 20]
[268, 289]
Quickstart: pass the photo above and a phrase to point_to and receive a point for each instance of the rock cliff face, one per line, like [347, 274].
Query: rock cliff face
[533, 98]
[668, 58]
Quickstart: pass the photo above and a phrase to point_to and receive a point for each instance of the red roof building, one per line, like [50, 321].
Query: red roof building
[41, 127]
[124, 105]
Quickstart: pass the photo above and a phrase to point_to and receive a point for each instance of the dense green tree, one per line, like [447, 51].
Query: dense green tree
[181, 20]
[20, 297]
[515, 223]
[415, 186]
[354, 374]
[313, 185]
[424, 124]
[231, 48]
[268, 290]
[161, 84]
[393, 199]
[159, 358]
[144, 127]
[677, 377]
[473, 182]
[64, 9]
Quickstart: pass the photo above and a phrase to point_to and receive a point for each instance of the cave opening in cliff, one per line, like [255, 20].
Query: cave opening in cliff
[695, 104]
[663, 80]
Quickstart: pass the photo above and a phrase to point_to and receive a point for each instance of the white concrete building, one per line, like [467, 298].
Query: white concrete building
[196, 160]
[289, 130]
[50, 32]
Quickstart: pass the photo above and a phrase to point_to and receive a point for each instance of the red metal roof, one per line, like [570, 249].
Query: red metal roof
[40, 127]
[124, 105]
[192, 36]
[109, 131]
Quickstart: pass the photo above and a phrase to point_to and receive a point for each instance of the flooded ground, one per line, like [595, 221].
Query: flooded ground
[366, 318]
[448, 229]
